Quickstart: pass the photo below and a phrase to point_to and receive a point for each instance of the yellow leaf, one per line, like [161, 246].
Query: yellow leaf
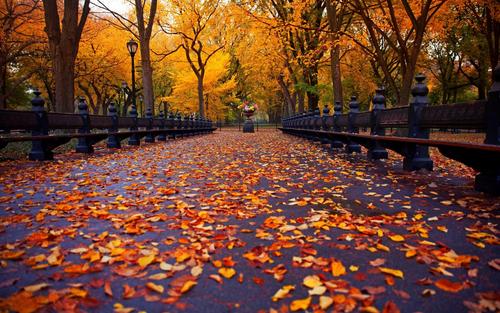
[317, 291]
[117, 251]
[338, 268]
[165, 266]
[283, 292]
[155, 287]
[227, 272]
[187, 286]
[301, 304]
[146, 260]
[392, 272]
[312, 281]
[196, 271]
[78, 292]
[397, 238]
[353, 268]
[158, 276]
[35, 288]
[325, 302]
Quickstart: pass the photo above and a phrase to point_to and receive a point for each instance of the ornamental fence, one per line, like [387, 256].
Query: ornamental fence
[413, 123]
[91, 129]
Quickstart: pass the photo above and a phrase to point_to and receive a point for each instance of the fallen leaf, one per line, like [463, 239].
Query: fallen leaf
[397, 238]
[283, 292]
[227, 272]
[325, 302]
[312, 281]
[187, 286]
[393, 272]
[37, 287]
[449, 286]
[155, 287]
[145, 260]
[301, 304]
[337, 268]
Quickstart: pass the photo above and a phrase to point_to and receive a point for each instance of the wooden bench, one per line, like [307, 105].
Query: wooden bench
[91, 129]
[416, 120]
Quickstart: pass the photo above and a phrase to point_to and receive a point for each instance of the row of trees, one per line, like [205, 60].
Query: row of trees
[207, 55]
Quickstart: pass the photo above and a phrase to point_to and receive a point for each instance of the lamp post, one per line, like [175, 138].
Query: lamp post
[132, 49]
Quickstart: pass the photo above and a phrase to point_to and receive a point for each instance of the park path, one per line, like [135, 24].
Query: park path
[233, 222]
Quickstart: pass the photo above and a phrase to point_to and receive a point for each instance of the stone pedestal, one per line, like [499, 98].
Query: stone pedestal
[248, 126]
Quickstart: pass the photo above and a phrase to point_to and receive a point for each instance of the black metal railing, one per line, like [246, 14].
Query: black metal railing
[415, 121]
[91, 129]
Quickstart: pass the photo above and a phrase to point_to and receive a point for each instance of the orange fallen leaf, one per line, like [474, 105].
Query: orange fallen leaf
[187, 286]
[11, 255]
[155, 287]
[397, 238]
[449, 286]
[301, 304]
[337, 268]
[107, 289]
[128, 292]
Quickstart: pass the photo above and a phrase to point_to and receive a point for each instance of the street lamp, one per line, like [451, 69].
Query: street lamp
[132, 49]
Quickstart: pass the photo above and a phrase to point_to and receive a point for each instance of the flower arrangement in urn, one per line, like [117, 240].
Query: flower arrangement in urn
[248, 107]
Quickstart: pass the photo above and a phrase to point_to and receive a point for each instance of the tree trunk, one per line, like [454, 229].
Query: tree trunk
[64, 74]
[338, 94]
[147, 77]
[286, 95]
[313, 96]
[64, 37]
[301, 101]
[405, 91]
[201, 99]
[335, 22]
[3, 85]
[493, 40]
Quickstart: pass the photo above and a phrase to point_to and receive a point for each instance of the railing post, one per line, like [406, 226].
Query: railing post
[376, 151]
[351, 128]
[84, 144]
[337, 112]
[171, 123]
[135, 139]
[416, 156]
[178, 124]
[489, 179]
[113, 141]
[316, 124]
[149, 136]
[162, 136]
[39, 149]
[324, 125]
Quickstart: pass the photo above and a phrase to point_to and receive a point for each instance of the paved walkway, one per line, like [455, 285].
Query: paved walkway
[233, 222]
